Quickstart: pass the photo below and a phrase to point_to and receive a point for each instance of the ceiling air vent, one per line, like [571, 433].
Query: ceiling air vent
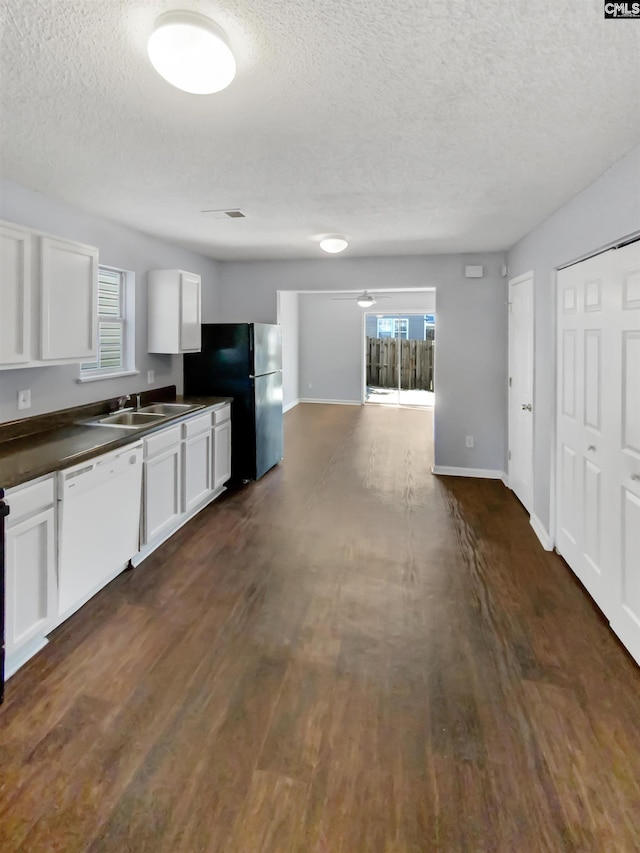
[226, 214]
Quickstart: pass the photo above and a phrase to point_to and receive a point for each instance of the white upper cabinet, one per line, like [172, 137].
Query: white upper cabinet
[174, 311]
[15, 295]
[69, 300]
[48, 299]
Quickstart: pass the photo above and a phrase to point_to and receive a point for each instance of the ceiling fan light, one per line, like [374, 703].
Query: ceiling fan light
[191, 53]
[334, 244]
[366, 300]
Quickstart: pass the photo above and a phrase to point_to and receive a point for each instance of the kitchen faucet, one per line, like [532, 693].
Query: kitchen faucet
[123, 400]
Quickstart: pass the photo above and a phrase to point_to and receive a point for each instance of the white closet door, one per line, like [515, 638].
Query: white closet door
[584, 345]
[625, 620]
[598, 433]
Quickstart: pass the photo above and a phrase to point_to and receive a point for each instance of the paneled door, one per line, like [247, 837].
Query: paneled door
[598, 432]
[521, 388]
[625, 620]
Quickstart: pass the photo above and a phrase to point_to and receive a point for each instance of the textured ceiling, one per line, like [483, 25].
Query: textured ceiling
[412, 126]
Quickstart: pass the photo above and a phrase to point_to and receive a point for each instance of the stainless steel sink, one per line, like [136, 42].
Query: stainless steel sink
[128, 420]
[169, 409]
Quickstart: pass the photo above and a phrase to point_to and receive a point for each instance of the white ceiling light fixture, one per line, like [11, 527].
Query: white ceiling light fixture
[333, 243]
[191, 53]
[366, 300]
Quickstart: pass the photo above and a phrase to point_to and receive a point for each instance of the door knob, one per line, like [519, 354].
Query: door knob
[527, 407]
[591, 447]
[635, 476]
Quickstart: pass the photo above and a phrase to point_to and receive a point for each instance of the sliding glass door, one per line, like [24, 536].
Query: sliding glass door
[399, 359]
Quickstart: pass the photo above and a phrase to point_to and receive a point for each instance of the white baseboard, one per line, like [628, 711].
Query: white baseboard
[21, 656]
[483, 473]
[289, 406]
[543, 535]
[331, 402]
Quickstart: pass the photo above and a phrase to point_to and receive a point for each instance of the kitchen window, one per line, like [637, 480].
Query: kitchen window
[116, 327]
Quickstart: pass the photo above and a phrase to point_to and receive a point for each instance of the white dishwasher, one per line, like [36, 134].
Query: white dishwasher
[98, 523]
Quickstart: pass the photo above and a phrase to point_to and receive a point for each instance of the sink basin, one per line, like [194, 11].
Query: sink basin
[168, 409]
[128, 420]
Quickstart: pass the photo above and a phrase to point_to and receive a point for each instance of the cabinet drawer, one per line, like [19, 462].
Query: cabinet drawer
[161, 441]
[24, 500]
[222, 414]
[193, 426]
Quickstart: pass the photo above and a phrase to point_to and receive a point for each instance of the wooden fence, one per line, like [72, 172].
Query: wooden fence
[416, 371]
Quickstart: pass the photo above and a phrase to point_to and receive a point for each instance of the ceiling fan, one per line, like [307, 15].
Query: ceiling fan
[364, 300]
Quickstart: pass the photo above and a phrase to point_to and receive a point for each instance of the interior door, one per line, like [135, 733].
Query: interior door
[625, 445]
[521, 389]
[585, 424]
[598, 432]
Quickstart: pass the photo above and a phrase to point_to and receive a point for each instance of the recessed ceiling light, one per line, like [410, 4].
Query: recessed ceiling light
[191, 53]
[333, 244]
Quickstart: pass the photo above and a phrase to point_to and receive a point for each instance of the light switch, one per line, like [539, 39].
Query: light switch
[150, 377]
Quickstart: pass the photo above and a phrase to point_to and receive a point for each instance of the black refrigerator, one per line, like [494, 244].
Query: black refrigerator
[243, 361]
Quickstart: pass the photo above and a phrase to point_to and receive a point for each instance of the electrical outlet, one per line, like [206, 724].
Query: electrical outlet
[469, 441]
[24, 399]
[151, 377]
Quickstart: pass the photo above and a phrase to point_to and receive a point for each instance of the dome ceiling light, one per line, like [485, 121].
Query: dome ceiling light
[191, 53]
[366, 300]
[333, 243]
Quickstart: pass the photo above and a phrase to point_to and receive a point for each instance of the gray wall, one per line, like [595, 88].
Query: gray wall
[332, 342]
[56, 387]
[471, 353]
[288, 317]
[604, 212]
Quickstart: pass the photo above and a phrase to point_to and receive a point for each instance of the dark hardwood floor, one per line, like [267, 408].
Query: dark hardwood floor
[349, 656]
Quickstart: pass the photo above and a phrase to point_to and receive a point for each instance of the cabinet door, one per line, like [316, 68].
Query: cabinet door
[69, 300]
[30, 579]
[15, 295]
[162, 494]
[197, 469]
[222, 454]
[190, 323]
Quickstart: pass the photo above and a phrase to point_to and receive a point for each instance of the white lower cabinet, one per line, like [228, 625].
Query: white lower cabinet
[162, 493]
[222, 454]
[185, 467]
[197, 464]
[30, 580]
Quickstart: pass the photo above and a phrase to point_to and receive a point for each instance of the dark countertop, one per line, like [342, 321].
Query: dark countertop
[28, 457]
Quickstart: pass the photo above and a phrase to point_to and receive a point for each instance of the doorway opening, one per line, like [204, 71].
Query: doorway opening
[399, 359]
